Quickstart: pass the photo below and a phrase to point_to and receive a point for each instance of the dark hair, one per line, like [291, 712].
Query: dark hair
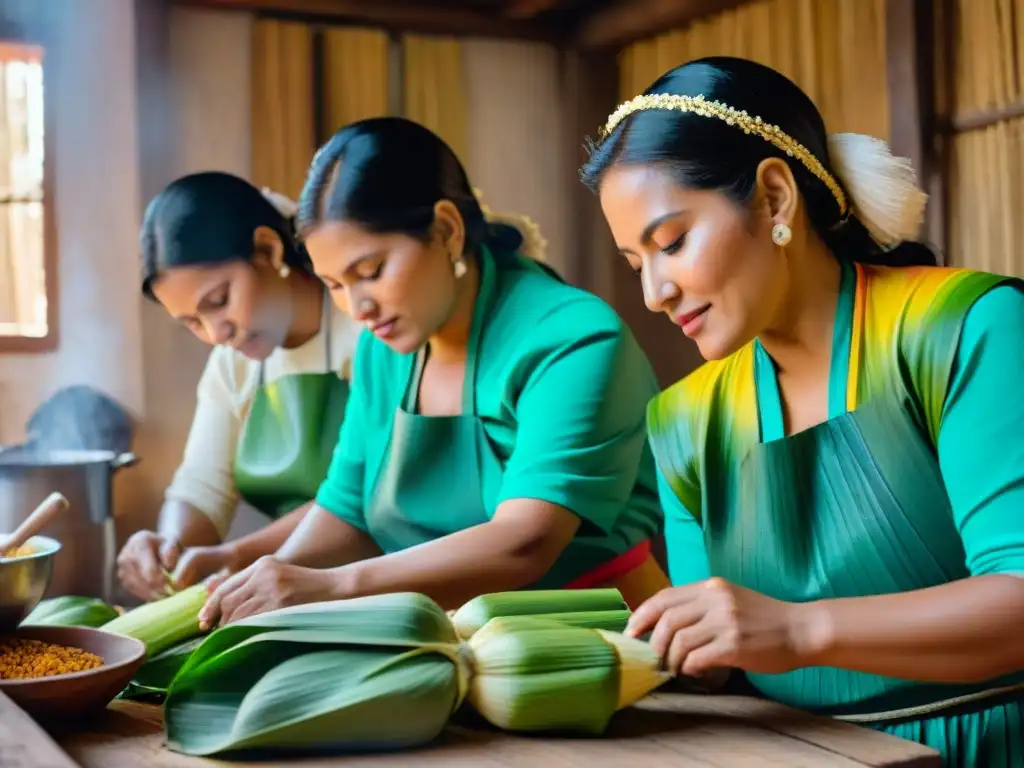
[707, 153]
[386, 174]
[209, 218]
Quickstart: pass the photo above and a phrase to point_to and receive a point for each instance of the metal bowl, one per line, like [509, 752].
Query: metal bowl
[24, 580]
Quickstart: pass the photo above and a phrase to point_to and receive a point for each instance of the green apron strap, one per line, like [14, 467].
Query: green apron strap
[325, 322]
[412, 391]
[468, 378]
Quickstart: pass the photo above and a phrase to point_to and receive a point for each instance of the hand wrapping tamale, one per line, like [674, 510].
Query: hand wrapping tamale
[387, 672]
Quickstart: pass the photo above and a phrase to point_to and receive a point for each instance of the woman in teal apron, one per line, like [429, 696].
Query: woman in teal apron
[221, 257]
[495, 436]
[843, 481]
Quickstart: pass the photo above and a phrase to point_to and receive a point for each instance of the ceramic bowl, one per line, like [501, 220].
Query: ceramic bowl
[77, 693]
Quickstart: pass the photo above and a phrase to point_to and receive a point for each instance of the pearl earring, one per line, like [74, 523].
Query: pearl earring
[459, 267]
[781, 234]
[284, 271]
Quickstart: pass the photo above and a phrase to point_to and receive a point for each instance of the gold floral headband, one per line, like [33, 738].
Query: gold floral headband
[698, 105]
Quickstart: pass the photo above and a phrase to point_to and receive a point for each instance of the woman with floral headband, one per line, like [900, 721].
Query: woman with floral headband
[843, 480]
[495, 438]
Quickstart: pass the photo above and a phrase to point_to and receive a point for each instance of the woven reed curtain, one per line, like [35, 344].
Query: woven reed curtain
[434, 89]
[986, 229]
[833, 49]
[283, 122]
[355, 76]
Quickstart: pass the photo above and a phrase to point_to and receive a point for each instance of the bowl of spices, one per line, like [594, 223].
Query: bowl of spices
[25, 574]
[26, 562]
[54, 670]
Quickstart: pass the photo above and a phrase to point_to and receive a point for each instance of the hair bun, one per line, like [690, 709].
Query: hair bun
[284, 204]
[882, 189]
[534, 245]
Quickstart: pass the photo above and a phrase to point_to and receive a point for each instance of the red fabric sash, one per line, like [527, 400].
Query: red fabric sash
[614, 568]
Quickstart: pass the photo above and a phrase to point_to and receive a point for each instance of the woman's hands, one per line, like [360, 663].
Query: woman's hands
[713, 624]
[266, 585]
[144, 562]
[147, 558]
[200, 563]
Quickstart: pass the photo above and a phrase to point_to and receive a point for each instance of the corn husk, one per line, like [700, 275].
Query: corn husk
[387, 672]
[363, 674]
[535, 674]
[71, 611]
[154, 677]
[163, 623]
[562, 603]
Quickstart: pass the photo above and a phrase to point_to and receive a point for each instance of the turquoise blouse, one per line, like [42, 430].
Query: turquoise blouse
[561, 386]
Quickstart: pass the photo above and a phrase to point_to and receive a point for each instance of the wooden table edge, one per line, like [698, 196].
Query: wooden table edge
[27, 741]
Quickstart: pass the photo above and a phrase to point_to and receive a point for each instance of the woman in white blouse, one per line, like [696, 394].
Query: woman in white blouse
[221, 257]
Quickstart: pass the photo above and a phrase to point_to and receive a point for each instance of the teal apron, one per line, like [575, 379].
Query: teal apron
[440, 475]
[289, 434]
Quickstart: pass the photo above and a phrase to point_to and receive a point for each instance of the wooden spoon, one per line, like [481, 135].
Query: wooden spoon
[41, 517]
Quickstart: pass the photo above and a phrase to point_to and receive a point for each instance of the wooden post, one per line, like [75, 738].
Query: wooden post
[590, 82]
[914, 130]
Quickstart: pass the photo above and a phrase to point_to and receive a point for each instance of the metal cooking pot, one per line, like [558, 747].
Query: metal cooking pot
[85, 563]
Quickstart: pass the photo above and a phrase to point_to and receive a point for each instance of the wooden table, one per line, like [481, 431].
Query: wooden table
[677, 730]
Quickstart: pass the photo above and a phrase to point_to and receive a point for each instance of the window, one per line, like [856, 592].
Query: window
[27, 266]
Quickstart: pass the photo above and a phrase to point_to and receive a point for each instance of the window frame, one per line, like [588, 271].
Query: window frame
[11, 344]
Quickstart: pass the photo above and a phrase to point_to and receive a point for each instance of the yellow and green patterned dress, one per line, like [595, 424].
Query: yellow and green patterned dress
[916, 479]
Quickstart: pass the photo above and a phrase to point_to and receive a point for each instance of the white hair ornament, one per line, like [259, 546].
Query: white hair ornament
[284, 204]
[534, 245]
[882, 189]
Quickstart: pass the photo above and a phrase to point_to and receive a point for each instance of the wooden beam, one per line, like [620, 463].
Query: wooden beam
[528, 9]
[627, 21]
[397, 15]
[976, 119]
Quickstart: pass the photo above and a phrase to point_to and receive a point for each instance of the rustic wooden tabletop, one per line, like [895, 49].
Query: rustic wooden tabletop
[677, 730]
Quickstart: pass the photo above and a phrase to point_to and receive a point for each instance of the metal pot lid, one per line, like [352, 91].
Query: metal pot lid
[24, 456]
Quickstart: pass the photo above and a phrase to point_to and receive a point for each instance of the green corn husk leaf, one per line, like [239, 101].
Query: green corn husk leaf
[163, 623]
[300, 700]
[400, 619]
[353, 675]
[473, 615]
[154, 677]
[611, 621]
[640, 670]
[538, 675]
[574, 700]
[71, 611]
[535, 674]
[387, 672]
